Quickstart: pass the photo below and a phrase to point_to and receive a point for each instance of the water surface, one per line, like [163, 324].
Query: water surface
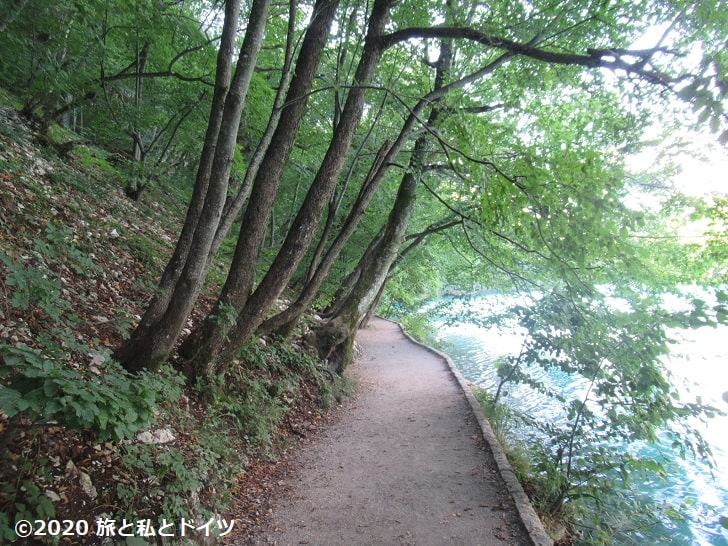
[698, 362]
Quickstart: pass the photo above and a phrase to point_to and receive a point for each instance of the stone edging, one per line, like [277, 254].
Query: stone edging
[528, 515]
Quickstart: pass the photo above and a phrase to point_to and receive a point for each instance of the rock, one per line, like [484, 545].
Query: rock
[87, 485]
[159, 436]
[145, 437]
[52, 495]
[71, 468]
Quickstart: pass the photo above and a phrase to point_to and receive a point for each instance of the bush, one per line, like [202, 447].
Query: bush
[169, 482]
[113, 404]
[419, 326]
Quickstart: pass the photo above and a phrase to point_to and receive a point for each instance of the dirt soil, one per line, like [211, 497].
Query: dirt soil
[405, 462]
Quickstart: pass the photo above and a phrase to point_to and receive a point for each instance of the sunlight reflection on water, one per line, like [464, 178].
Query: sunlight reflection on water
[698, 362]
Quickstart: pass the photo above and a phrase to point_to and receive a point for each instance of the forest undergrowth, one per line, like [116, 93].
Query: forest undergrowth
[80, 439]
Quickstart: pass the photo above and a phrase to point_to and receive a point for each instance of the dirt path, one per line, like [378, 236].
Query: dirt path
[405, 463]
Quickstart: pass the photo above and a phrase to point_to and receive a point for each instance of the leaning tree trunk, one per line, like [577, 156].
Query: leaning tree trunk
[151, 343]
[158, 305]
[284, 322]
[224, 341]
[350, 281]
[334, 341]
[202, 344]
[416, 239]
[235, 204]
[337, 197]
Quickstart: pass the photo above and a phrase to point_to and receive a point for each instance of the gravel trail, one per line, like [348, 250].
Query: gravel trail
[404, 463]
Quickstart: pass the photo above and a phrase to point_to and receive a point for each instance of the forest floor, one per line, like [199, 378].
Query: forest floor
[79, 258]
[404, 462]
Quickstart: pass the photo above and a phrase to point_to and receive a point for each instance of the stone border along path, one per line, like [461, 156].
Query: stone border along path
[409, 460]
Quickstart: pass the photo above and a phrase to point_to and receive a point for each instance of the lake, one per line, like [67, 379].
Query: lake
[698, 361]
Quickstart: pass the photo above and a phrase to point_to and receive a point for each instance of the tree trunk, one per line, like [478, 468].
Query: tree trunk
[416, 240]
[334, 341]
[345, 46]
[204, 341]
[343, 292]
[154, 338]
[159, 303]
[305, 225]
[234, 205]
[284, 322]
[136, 183]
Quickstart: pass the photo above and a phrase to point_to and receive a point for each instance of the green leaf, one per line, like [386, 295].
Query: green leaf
[715, 122]
[131, 415]
[50, 388]
[9, 399]
[44, 507]
[23, 404]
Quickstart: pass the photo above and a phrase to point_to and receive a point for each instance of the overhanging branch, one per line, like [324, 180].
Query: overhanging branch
[631, 61]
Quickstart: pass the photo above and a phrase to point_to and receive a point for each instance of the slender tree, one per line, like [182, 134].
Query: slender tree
[155, 336]
[216, 343]
[335, 341]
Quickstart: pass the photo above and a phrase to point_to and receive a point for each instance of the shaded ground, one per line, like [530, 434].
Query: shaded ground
[405, 463]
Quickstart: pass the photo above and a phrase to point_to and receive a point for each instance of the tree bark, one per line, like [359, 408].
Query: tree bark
[334, 341]
[152, 341]
[345, 47]
[223, 74]
[305, 225]
[136, 183]
[416, 239]
[234, 205]
[199, 348]
[285, 321]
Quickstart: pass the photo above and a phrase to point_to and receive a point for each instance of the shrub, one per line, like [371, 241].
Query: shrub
[113, 404]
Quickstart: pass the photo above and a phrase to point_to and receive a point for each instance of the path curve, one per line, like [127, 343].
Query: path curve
[406, 462]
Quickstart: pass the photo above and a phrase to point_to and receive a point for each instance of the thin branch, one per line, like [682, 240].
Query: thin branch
[126, 73]
[446, 204]
[158, 74]
[515, 277]
[479, 109]
[434, 228]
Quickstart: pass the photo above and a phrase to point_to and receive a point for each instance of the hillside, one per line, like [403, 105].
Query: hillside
[81, 438]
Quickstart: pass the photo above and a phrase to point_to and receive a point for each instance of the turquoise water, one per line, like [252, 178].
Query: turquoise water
[698, 362]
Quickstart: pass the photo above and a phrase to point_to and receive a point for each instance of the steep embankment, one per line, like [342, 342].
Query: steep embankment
[80, 439]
